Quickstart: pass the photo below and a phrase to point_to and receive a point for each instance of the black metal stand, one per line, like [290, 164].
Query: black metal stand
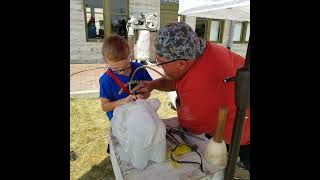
[242, 101]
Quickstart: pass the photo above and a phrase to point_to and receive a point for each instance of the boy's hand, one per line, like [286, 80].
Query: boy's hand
[128, 99]
[139, 96]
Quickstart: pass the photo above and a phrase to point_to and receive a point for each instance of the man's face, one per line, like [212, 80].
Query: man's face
[167, 68]
[173, 69]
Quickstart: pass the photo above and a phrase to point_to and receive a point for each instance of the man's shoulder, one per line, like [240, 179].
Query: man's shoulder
[217, 47]
[223, 50]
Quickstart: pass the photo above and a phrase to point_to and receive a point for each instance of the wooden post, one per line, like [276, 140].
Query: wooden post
[218, 134]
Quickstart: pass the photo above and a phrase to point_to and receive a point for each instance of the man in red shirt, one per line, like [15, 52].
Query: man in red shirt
[195, 69]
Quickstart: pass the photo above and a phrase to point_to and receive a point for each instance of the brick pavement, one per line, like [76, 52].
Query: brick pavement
[89, 80]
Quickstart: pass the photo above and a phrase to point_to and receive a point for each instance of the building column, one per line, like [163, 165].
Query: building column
[191, 21]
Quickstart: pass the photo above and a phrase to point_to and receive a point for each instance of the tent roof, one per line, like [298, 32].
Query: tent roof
[237, 10]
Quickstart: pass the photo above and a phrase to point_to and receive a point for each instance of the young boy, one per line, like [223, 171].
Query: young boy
[114, 84]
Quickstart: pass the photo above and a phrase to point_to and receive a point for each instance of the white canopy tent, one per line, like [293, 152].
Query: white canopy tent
[237, 10]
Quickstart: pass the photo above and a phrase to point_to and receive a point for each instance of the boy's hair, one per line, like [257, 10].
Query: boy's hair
[115, 48]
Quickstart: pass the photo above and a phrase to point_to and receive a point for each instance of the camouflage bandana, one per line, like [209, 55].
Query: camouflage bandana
[178, 41]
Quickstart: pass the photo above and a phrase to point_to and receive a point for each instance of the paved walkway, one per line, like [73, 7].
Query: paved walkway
[89, 80]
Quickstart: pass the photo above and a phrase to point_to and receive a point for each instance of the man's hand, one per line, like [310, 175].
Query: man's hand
[143, 88]
[139, 96]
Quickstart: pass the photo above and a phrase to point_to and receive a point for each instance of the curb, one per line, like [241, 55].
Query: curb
[85, 94]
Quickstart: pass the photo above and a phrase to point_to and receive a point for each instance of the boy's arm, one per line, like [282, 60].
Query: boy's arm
[108, 105]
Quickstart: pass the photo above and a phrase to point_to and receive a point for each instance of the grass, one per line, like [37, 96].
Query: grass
[88, 124]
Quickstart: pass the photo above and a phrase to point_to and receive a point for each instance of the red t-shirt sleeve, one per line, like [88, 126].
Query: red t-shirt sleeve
[238, 61]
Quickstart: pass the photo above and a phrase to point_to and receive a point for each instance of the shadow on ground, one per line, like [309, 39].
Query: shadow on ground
[103, 170]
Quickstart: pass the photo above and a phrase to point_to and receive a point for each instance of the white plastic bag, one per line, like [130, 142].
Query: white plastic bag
[140, 132]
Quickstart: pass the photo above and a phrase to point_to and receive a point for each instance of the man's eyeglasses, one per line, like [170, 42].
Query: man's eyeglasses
[168, 61]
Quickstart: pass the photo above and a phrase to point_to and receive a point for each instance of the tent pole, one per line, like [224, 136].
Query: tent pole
[242, 102]
[230, 40]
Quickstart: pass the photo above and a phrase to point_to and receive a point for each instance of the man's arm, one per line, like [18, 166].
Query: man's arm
[160, 84]
[163, 84]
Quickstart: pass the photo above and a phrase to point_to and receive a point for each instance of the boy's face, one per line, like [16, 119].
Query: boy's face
[122, 67]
